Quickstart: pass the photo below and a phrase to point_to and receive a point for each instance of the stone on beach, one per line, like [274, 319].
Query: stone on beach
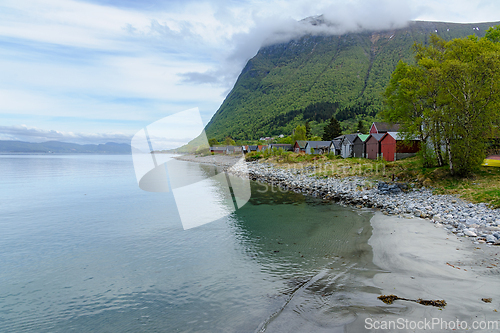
[461, 218]
[464, 219]
[470, 233]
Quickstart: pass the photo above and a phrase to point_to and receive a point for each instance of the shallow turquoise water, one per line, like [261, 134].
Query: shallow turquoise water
[83, 249]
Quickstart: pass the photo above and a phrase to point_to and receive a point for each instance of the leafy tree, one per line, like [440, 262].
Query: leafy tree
[408, 104]
[493, 34]
[213, 142]
[299, 133]
[286, 139]
[229, 142]
[315, 138]
[308, 130]
[450, 97]
[332, 130]
[361, 127]
[471, 77]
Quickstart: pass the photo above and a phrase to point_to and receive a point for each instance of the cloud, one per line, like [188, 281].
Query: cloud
[336, 19]
[33, 134]
[368, 15]
[200, 78]
[165, 31]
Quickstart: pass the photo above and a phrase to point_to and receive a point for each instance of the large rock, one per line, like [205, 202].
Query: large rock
[491, 239]
[470, 233]
[472, 221]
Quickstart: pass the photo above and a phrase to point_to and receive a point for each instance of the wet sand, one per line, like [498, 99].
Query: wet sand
[424, 261]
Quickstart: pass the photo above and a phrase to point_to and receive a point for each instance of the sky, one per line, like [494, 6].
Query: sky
[98, 71]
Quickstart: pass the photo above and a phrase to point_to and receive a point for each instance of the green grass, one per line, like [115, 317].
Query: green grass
[483, 186]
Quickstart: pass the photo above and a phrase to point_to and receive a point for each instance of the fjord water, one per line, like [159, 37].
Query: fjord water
[83, 249]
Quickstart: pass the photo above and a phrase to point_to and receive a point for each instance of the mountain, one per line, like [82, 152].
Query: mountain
[314, 77]
[16, 147]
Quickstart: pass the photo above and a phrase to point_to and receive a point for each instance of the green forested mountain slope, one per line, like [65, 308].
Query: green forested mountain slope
[317, 76]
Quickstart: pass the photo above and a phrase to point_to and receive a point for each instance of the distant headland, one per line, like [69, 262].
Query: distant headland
[57, 147]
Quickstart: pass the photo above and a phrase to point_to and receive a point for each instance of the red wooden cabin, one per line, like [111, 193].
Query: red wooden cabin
[393, 147]
[299, 146]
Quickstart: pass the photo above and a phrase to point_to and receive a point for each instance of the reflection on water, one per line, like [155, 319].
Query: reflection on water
[85, 250]
[317, 249]
[215, 193]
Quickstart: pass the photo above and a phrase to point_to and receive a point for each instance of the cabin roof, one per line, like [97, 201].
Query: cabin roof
[318, 144]
[362, 137]
[398, 136]
[350, 137]
[377, 136]
[337, 143]
[386, 127]
[301, 143]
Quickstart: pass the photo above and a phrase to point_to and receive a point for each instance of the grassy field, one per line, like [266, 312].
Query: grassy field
[482, 186]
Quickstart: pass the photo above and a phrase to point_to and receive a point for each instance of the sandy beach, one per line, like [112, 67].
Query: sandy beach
[424, 261]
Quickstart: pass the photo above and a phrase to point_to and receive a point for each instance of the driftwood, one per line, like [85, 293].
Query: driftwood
[389, 299]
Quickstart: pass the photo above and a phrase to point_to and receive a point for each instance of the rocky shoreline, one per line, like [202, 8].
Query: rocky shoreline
[474, 221]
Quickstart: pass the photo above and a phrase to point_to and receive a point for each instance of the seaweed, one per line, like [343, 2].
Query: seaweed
[389, 299]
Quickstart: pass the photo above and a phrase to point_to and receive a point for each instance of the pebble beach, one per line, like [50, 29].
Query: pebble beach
[476, 222]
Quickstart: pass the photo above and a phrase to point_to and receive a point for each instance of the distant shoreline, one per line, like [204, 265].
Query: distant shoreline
[58, 147]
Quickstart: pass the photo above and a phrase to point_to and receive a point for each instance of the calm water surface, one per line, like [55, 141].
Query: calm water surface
[83, 249]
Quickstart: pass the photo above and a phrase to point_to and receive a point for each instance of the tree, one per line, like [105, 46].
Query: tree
[299, 133]
[451, 97]
[409, 97]
[286, 140]
[213, 142]
[332, 130]
[493, 34]
[315, 138]
[470, 78]
[308, 130]
[361, 127]
[229, 142]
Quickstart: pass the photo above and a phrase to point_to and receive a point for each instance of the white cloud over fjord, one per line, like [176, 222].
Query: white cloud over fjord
[115, 66]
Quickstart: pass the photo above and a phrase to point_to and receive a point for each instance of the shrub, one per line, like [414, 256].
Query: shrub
[253, 156]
